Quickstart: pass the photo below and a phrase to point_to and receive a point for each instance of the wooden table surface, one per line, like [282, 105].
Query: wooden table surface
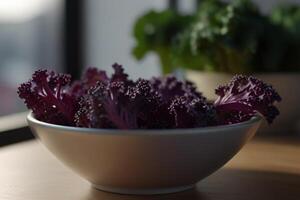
[264, 169]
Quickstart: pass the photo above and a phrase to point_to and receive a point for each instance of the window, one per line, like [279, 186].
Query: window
[108, 35]
[30, 37]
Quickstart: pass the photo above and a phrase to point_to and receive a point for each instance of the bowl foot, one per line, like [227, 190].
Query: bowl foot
[150, 191]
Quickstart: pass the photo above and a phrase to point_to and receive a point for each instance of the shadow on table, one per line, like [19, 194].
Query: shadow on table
[226, 184]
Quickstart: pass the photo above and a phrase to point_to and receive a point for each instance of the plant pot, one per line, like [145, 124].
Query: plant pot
[287, 85]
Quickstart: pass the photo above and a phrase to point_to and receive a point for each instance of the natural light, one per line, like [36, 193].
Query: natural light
[18, 11]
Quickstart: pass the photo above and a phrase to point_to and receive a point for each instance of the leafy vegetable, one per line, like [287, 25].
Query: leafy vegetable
[227, 37]
[169, 87]
[243, 97]
[287, 18]
[45, 94]
[115, 105]
[90, 78]
[100, 101]
[187, 107]
[191, 111]
[126, 104]
[154, 32]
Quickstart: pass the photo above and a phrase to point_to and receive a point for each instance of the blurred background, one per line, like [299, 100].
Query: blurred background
[151, 37]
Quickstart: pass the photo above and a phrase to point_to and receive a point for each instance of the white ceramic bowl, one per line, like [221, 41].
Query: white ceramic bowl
[144, 161]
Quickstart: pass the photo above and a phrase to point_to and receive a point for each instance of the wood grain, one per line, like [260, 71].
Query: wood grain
[264, 169]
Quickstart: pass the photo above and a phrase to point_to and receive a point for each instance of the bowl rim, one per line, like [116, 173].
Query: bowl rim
[32, 121]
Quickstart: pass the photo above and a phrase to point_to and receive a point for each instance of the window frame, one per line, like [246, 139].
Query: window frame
[14, 128]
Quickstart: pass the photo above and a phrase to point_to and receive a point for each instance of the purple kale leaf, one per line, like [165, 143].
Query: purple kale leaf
[170, 87]
[93, 75]
[120, 75]
[160, 103]
[189, 111]
[45, 94]
[243, 97]
[144, 103]
[186, 106]
[99, 101]
[101, 107]
[118, 103]
[89, 79]
[91, 113]
[113, 105]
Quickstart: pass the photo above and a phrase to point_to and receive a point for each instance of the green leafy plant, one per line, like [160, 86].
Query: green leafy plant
[155, 31]
[211, 43]
[230, 37]
[287, 17]
[208, 43]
